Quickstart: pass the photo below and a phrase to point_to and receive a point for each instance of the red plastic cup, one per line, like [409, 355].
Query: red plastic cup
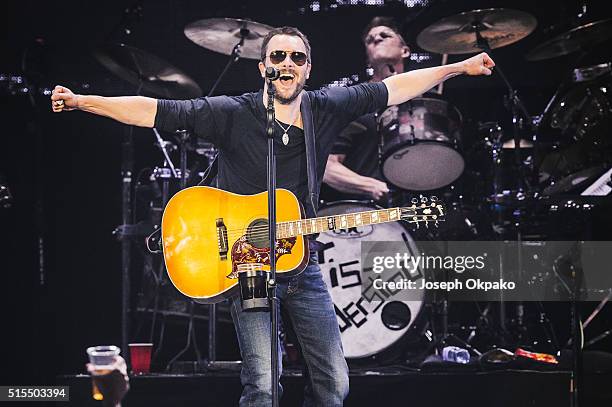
[140, 357]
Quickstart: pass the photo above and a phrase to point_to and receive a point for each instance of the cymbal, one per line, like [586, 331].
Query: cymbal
[222, 34]
[457, 34]
[143, 69]
[573, 40]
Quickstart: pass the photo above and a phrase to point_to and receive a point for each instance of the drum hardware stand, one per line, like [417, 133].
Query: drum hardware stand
[159, 278]
[234, 57]
[513, 102]
[595, 312]
[598, 309]
[516, 106]
[127, 168]
[211, 362]
[444, 337]
[576, 376]
[182, 137]
[124, 232]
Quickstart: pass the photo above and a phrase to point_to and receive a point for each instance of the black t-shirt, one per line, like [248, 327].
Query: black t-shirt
[236, 125]
[358, 142]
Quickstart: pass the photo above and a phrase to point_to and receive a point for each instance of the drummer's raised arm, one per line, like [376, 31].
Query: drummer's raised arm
[407, 85]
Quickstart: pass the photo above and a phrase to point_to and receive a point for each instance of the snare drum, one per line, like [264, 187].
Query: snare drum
[367, 327]
[419, 143]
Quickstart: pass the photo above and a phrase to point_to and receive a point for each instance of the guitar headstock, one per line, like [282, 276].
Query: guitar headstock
[423, 210]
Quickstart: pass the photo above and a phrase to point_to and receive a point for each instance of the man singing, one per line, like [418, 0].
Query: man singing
[237, 126]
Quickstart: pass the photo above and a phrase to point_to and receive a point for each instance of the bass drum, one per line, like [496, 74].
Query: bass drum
[368, 324]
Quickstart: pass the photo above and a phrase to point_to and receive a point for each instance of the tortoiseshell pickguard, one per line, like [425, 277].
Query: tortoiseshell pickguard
[244, 252]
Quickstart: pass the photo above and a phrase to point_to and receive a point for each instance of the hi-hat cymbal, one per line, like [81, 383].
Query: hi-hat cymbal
[222, 34]
[143, 69]
[457, 34]
[573, 40]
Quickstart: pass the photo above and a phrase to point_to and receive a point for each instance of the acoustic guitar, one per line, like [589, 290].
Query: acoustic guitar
[207, 232]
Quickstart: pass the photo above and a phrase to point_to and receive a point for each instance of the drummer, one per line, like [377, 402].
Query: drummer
[353, 170]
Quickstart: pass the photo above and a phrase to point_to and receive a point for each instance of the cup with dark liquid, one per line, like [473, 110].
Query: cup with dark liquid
[102, 358]
[140, 357]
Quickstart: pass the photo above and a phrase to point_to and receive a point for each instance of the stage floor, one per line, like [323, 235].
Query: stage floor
[369, 387]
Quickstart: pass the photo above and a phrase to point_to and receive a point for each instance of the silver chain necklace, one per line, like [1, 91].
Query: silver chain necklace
[285, 137]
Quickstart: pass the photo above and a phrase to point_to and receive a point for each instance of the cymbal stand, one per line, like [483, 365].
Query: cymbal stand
[165, 175]
[443, 338]
[514, 102]
[126, 231]
[234, 57]
[212, 361]
[516, 106]
[183, 137]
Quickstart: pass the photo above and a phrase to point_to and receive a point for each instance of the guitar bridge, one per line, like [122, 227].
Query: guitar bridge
[222, 238]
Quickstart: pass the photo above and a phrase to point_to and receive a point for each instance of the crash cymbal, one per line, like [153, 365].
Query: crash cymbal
[457, 34]
[222, 34]
[150, 72]
[576, 39]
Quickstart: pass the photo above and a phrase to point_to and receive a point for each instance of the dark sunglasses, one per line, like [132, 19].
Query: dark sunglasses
[298, 57]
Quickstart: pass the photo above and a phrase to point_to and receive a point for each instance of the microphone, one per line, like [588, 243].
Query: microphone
[272, 73]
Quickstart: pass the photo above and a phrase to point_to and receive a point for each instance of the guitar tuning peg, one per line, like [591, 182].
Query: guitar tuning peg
[433, 198]
[423, 199]
[414, 201]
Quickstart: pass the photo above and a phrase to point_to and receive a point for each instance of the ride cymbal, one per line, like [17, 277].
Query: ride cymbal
[457, 34]
[223, 34]
[576, 39]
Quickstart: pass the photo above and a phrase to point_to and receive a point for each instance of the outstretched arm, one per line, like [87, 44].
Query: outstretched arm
[407, 85]
[132, 110]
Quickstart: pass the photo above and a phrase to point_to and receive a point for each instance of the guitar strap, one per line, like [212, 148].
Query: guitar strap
[311, 151]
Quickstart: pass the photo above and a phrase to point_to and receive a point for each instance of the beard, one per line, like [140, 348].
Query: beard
[285, 100]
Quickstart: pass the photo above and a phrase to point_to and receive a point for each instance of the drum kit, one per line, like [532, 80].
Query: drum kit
[504, 179]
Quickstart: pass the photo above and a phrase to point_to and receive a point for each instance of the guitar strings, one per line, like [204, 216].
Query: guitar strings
[325, 219]
[261, 231]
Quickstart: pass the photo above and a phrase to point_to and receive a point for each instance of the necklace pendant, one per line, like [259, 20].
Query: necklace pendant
[285, 138]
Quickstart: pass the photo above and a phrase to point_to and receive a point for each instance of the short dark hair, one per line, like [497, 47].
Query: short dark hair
[387, 22]
[284, 31]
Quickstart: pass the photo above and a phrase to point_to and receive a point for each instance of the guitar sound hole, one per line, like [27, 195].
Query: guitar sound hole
[257, 234]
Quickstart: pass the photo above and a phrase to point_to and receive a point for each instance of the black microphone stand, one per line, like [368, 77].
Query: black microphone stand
[272, 239]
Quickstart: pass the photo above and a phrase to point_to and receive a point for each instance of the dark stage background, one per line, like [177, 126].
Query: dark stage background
[54, 310]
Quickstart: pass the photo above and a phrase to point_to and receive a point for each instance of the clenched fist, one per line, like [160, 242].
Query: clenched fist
[480, 64]
[62, 99]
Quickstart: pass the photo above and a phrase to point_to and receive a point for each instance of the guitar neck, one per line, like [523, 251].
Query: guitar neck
[344, 221]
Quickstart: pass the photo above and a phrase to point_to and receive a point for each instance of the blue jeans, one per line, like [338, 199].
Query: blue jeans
[310, 307]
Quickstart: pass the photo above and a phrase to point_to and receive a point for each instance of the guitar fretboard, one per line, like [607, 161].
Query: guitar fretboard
[333, 222]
